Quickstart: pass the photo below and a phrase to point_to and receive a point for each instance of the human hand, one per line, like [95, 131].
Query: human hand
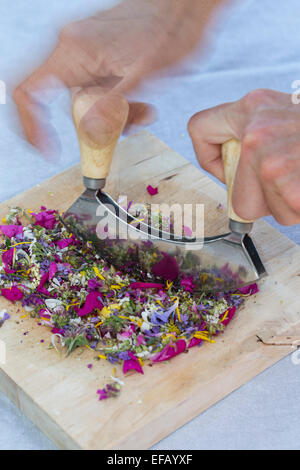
[268, 177]
[111, 52]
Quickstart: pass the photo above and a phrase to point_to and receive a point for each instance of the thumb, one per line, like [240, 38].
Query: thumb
[209, 129]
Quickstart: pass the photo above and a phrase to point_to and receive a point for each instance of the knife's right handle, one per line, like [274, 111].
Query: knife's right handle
[107, 117]
[231, 152]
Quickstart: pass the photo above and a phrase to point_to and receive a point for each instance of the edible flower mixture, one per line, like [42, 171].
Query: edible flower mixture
[64, 284]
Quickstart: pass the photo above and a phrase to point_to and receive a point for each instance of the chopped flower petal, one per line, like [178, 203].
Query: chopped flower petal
[230, 316]
[125, 316]
[132, 364]
[187, 231]
[152, 191]
[4, 316]
[65, 242]
[11, 230]
[195, 342]
[46, 219]
[91, 303]
[52, 270]
[12, 294]
[251, 289]
[169, 351]
[167, 268]
[145, 285]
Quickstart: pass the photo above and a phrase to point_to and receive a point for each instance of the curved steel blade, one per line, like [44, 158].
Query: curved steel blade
[216, 264]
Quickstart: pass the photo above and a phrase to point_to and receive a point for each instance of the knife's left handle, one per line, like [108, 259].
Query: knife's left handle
[99, 122]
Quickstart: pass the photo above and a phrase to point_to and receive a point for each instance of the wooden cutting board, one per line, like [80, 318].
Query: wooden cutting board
[59, 394]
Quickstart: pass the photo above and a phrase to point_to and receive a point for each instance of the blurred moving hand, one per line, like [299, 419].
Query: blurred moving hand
[110, 54]
[268, 177]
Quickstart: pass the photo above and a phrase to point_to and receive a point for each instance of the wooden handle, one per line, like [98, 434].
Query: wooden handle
[231, 152]
[99, 130]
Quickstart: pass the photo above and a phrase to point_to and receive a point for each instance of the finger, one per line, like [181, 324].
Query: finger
[280, 208]
[285, 194]
[32, 99]
[140, 114]
[211, 128]
[36, 121]
[267, 185]
[248, 197]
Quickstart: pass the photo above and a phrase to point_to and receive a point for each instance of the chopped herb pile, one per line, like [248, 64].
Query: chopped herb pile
[64, 283]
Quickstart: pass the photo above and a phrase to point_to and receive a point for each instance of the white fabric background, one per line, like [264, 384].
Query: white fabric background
[257, 44]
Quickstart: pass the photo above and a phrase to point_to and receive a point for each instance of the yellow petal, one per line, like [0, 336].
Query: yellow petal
[97, 272]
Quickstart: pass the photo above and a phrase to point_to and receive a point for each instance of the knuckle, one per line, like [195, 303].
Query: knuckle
[254, 138]
[255, 98]
[272, 167]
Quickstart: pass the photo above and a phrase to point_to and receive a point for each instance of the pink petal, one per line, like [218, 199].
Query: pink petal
[13, 294]
[152, 191]
[140, 340]
[188, 284]
[7, 259]
[251, 289]
[58, 331]
[195, 342]
[66, 242]
[42, 314]
[230, 316]
[91, 303]
[125, 334]
[132, 364]
[145, 285]
[169, 351]
[52, 270]
[43, 281]
[45, 219]
[11, 230]
[187, 231]
[44, 291]
[167, 268]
